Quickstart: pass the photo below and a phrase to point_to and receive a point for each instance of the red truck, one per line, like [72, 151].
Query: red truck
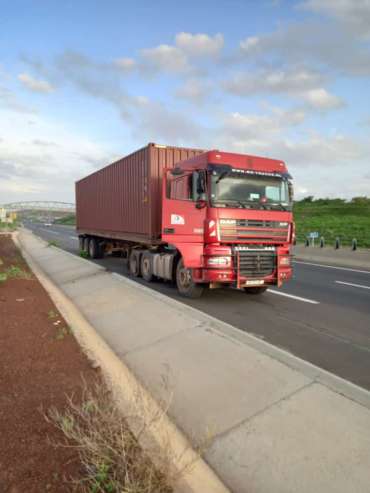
[205, 219]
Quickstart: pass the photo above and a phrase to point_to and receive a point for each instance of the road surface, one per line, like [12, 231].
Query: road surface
[322, 315]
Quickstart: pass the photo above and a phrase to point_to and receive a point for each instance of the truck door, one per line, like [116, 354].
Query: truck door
[183, 212]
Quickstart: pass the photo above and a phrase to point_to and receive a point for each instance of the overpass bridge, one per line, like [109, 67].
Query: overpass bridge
[42, 206]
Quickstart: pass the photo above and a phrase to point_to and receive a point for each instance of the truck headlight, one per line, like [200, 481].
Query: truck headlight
[218, 262]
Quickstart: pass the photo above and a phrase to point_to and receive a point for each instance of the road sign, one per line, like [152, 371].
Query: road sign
[313, 235]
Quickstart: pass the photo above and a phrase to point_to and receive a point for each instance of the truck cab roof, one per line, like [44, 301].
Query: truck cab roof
[235, 160]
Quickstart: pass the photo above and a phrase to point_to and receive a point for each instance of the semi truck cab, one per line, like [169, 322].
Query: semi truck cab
[229, 219]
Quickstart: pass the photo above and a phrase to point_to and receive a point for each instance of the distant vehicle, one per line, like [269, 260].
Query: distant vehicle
[202, 219]
[48, 224]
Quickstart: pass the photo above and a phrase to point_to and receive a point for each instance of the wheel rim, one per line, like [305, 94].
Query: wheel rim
[185, 277]
[146, 267]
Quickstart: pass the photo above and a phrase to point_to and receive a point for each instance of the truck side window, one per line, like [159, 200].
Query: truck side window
[180, 187]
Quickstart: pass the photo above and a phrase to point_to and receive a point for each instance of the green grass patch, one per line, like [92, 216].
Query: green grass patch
[62, 333]
[69, 220]
[52, 314]
[84, 254]
[334, 218]
[53, 243]
[15, 272]
[8, 227]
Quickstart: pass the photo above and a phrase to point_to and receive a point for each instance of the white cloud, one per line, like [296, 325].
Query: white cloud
[274, 81]
[178, 58]
[42, 161]
[160, 123]
[319, 44]
[125, 64]
[321, 99]
[35, 85]
[353, 14]
[194, 90]
[250, 43]
[199, 45]
[165, 58]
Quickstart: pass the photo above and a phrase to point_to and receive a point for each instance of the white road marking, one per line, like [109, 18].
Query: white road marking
[332, 267]
[352, 284]
[74, 237]
[306, 300]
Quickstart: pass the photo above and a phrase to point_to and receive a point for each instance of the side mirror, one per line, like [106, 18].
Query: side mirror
[177, 171]
[291, 191]
[199, 186]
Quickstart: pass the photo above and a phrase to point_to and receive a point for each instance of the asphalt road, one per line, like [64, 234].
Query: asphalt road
[322, 315]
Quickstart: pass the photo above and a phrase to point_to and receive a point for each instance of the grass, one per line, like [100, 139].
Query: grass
[333, 219]
[15, 272]
[68, 220]
[84, 254]
[53, 243]
[112, 461]
[62, 333]
[52, 314]
[8, 227]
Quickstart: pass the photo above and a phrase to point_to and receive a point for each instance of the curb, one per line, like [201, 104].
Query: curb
[199, 478]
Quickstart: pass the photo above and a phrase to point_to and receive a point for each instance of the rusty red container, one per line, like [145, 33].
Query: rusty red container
[124, 199]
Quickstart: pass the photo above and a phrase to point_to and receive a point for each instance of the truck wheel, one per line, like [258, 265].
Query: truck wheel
[133, 264]
[147, 267]
[255, 290]
[93, 248]
[81, 243]
[185, 284]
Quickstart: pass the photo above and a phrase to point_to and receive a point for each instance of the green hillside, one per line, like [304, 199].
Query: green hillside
[333, 218]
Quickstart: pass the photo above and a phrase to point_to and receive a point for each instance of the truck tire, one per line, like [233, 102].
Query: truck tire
[147, 267]
[82, 243]
[94, 248]
[185, 284]
[133, 264]
[255, 290]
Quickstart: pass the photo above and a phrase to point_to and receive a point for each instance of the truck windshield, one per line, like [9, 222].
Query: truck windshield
[257, 192]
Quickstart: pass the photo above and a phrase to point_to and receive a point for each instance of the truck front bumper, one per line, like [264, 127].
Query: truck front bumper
[222, 266]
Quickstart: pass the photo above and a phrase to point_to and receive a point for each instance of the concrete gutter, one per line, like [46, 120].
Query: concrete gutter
[277, 423]
[344, 257]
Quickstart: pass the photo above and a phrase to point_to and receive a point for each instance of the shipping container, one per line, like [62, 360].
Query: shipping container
[124, 200]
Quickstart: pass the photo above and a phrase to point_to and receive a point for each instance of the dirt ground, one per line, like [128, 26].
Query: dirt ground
[40, 362]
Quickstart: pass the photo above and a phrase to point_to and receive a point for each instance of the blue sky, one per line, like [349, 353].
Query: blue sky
[84, 82]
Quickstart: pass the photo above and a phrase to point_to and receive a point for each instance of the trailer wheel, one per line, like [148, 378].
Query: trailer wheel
[147, 267]
[255, 290]
[94, 248]
[133, 264]
[81, 243]
[185, 284]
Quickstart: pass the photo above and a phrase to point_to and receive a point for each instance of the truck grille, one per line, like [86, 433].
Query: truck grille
[255, 264]
[254, 230]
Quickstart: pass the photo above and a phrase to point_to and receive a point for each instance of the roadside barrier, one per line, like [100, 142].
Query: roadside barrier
[338, 242]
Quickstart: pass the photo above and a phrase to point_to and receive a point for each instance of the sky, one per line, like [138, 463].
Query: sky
[83, 83]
